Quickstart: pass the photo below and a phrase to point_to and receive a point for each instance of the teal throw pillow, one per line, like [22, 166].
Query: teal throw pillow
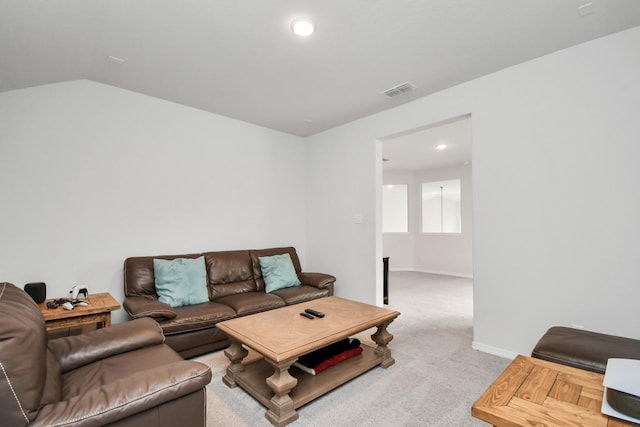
[181, 281]
[278, 272]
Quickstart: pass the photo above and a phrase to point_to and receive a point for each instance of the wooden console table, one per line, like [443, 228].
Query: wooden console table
[98, 313]
[534, 392]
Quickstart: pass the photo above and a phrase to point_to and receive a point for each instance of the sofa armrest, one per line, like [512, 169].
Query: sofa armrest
[79, 350]
[319, 280]
[121, 399]
[139, 306]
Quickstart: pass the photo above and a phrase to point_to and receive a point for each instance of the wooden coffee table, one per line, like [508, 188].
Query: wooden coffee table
[282, 335]
[534, 392]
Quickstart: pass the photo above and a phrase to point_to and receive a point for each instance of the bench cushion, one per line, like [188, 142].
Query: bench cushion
[584, 349]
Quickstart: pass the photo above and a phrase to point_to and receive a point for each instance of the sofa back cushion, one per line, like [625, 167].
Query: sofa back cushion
[230, 273]
[255, 261]
[138, 274]
[23, 356]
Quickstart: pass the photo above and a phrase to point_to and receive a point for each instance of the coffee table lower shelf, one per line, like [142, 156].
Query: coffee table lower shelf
[309, 387]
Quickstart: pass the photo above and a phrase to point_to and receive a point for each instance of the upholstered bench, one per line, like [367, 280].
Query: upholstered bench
[584, 349]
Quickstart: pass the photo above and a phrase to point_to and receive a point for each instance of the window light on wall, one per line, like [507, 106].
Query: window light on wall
[441, 207]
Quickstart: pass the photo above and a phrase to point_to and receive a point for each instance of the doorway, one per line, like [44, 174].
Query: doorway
[435, 154]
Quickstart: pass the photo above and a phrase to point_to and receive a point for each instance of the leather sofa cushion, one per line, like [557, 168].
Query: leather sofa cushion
[252, 302]
[138, 273]
[115, 368]
[300, 294]
[147, 306]
[23, 349]
[584, 349]
[229, 272]
[195, 317]
[129, 384]
[73, 352]
[183, 411]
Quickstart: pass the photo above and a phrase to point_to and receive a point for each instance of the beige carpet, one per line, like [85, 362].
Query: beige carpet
[434, 382]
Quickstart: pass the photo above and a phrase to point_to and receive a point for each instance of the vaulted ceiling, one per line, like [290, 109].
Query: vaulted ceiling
[239, 58]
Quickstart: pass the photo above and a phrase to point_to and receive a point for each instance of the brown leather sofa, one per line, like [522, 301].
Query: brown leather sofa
[584, 349]
[235, 287]
[123, 375]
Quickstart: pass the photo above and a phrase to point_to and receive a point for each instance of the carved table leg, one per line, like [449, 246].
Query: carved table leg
[235, 353]
[382, 337]
[281, 411]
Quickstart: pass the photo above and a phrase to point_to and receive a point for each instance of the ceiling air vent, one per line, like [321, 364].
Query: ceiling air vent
[399, 89]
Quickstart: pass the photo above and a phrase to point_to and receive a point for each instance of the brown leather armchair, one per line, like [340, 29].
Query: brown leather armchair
[123, 375]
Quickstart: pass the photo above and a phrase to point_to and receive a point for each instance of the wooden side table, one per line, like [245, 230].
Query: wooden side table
[98, 313]
[534, 392]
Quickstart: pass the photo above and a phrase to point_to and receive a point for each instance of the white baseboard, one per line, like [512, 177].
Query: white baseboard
[447, 273]
[443, 273]
[493, 350]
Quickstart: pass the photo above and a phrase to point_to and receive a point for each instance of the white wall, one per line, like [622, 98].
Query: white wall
[92, 175]
[341, 183]
[552, 139]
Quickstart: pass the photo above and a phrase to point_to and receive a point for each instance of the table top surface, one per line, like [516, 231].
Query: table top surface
[533, 392]
[98, 303]
[282, 334]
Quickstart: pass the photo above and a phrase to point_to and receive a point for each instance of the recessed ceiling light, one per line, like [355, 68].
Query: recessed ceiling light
[302, 27]
[441, 146]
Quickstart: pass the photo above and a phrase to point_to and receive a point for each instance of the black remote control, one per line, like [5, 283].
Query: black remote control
[307, 315]
[314, 312]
